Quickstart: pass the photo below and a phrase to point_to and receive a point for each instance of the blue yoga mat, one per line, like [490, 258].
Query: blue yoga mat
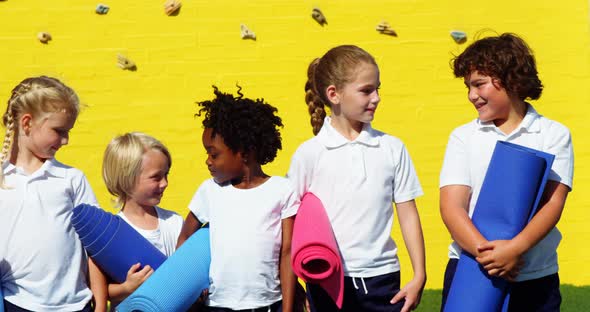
[1, 295]
[510, 194]
[178, 283]
[112, 243]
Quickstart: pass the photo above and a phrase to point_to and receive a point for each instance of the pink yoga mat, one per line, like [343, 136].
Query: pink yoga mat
[315, 257]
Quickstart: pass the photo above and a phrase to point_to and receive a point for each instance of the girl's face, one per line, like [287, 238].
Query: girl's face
[45, 134]
[223, 163]
[489, 98]
[358, 99]
[152, 180]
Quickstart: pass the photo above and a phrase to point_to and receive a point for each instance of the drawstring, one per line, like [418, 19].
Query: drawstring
[363, 282]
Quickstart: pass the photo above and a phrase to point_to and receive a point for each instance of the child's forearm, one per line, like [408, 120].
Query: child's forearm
[454, 207]
[98, 286]
[119, 292]
[190, 226]
[288, 281]
[286, 274]
[546, 218]
[411, 229]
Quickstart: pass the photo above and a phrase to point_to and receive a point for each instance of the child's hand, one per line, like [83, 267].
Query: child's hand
[412, 292]
[199, 305]
[136, 277]
[500, 258]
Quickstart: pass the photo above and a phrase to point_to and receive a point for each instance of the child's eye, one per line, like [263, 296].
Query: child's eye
[61, 132]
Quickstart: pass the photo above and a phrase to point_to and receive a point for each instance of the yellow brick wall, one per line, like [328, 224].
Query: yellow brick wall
[178, 58]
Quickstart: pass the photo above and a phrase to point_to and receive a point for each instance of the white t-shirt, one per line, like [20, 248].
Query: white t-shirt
[468, 155]
[246, 238]
[357, 181]
[166, 235]
[42, 262]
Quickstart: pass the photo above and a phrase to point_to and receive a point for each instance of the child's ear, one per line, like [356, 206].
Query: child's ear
[333, 95]
[26, 122]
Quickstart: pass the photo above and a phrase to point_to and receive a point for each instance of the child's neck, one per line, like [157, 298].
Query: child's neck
[24, 159]
[348, 128]
[253, 176]
[514, 118]
[144, 217]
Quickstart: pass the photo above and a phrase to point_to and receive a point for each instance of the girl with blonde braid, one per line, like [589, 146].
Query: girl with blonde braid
[42, 263]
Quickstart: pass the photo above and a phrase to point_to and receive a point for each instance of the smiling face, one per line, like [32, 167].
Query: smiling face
[45, 134]
[152, 180]
[223, 163]
[489, 98]
[357, 100]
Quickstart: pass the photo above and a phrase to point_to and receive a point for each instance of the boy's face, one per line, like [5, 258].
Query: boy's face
[488, 96]
[223, 163]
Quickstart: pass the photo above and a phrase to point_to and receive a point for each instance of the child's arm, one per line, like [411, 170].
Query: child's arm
[98, 286]
[190, 226]
[411, 228]
[504, 255]
[454, 207]
[135, 278]
[286, 274]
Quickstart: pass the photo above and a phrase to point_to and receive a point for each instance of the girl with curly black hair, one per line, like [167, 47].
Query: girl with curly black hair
[250, 213]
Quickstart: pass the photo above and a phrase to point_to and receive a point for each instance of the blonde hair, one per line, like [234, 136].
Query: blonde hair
[337, 67]
[35, 96]
[121, 165]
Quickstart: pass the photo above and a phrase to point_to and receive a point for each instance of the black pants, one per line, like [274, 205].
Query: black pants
[275, 307]
[537, 295]
[9, 307]
[371, 294]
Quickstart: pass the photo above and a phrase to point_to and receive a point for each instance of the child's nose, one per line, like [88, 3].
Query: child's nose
[376, 97]
[472, 95]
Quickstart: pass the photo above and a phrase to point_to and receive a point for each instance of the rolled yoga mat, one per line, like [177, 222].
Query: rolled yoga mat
[1, 294]
[179, 281]
[315, 256]
[112, 243]
[509, 197]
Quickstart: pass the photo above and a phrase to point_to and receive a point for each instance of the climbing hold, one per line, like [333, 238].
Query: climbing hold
[319, 16]
[386, 29]
[44, 37]
[125, 63]
[247, 33]
[171, 7]
[459, 36]
[102, 9]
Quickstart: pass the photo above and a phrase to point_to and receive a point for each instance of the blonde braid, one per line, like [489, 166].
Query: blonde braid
[6, 145]
[315, 104]
[7, 138]
[316, 110]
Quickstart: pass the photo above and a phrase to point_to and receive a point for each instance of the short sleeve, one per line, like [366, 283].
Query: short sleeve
[455, 168]
[560, 145]
[83, 193]
[299, 173]
[406, 185]
[199, 204]
[291, 203]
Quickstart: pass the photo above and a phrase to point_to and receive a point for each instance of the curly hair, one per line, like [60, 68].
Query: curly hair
[505, 57]
[245, 125]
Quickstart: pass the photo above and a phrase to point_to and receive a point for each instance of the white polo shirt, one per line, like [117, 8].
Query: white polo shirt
[357, 181]
[42, 261]
[246, 238]
[468, 155]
